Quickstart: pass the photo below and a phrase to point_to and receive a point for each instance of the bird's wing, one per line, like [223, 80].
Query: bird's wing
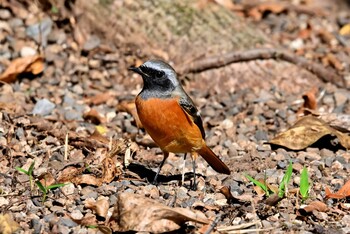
[188, 106]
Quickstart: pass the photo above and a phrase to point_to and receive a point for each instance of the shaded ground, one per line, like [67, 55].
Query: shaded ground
[243, 105]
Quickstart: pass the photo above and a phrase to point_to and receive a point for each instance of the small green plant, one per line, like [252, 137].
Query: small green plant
[285, 180]
[282, 186]
[45, 189]
[304, 184]
[29, 173]
[263, 186]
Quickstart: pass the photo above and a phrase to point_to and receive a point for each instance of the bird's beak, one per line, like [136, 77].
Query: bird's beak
[137, 70]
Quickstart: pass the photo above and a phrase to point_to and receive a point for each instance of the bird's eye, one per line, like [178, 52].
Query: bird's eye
[159, 74]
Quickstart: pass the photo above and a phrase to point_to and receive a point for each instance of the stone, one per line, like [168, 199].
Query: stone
[340, 98]
[27, 51]
[91, 43]
[43, 107]
[5, 14]
[41, 29]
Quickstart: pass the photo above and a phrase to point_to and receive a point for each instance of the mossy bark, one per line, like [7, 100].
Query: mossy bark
[177, 30]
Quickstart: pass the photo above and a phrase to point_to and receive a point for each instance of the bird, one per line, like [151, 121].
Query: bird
[170, 117]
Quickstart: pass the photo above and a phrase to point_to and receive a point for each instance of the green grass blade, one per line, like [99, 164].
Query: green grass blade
[304, 184]
[22, 170]
[55, 186]
[41, 187]
[285, 180]
[31, 168]
[258, 183]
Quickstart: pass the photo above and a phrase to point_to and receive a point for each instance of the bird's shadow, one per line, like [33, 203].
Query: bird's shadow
[148, 174]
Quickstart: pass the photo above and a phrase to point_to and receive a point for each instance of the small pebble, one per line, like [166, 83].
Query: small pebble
[43, 107]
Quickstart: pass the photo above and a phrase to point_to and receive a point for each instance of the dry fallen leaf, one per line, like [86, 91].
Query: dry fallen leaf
[313, 206]
[345, 30]
[109, 172]
[94, 117]
[46, 179]
[96, 135]
[310, 102]
[307, 131]
[229, 5]
[87, 220]
[273, 200]
[100, 207]
[7, 224]
[137, 213]
[258, 11]
[99, 98]
[334, 61]
[341, 194]
[31, 64]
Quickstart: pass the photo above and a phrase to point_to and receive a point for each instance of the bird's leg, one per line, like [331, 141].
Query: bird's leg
[166, 155]
[183, 170]
[194, 156]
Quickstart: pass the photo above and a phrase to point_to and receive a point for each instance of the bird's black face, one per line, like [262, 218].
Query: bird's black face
[157, 76]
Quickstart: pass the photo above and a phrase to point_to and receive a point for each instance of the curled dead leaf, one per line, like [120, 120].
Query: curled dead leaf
[31, 64]
[258, 11]
[307, 131]
[137, 213]
[310, 101]
[74, 175]
[99, 98]
[94, 117]
[96, 135]
[87, 220]
[100, 207]
[341, 194]
[47, 179]
[313, 206]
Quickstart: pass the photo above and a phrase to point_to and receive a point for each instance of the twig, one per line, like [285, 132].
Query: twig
[213, 224]
[66, 147]
[326, 75]
[250, 230]
[238, 227]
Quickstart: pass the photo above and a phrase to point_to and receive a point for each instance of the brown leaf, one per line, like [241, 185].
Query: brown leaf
[87, 179]
[130, 107]
[306, 131]
[7, 224]
[94, 117]
[313, 206]
[137, 213]
[258, 11]
[99, 98]
[273, 200]
[345, 30]
[87, 220]
[229, 5]
[334, 61]
[46, 179]
[96, 135]
[341, 194]
[109, 172]
[31, 64]
[310, 102]
[69, 173]
[100, 207]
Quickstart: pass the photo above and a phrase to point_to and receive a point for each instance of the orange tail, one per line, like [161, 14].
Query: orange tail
[213, 160]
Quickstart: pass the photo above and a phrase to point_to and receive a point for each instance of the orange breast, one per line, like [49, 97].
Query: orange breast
[169, 125]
